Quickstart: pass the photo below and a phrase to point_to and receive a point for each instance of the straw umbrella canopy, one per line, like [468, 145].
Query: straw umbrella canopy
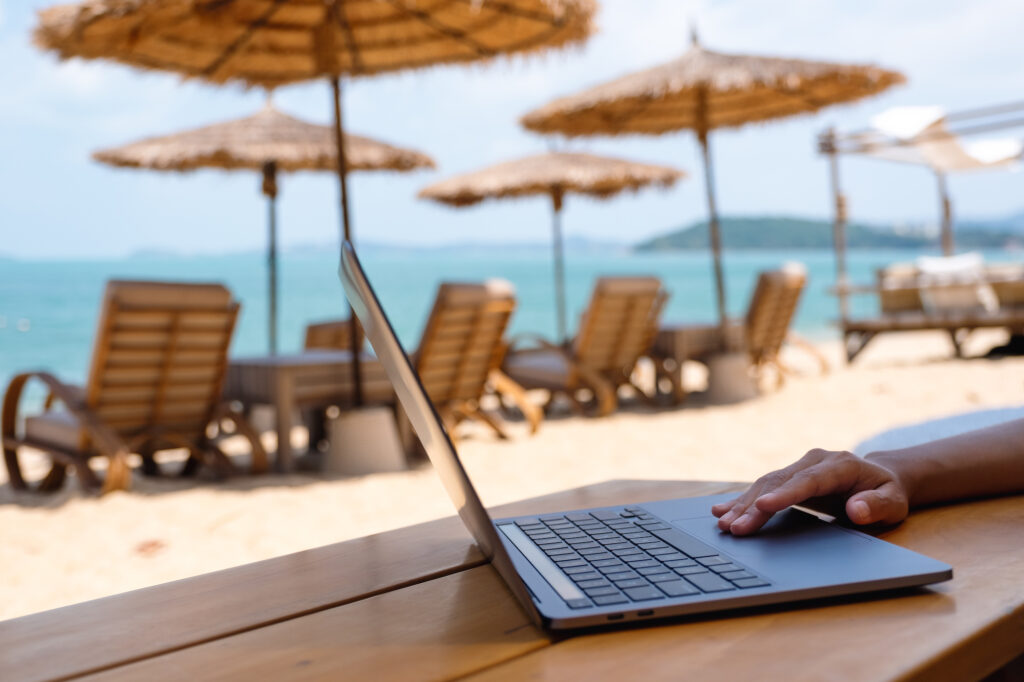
[703, 91]
[269, 141]
[920, 136]
[554, 174]
[270, 43]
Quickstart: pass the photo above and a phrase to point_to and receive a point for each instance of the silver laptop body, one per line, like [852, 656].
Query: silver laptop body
[598, 567]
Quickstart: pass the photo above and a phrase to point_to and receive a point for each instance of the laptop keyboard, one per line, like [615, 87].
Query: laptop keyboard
[628, 556]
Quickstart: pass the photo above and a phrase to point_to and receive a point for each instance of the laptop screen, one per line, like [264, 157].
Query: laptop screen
[426, 421]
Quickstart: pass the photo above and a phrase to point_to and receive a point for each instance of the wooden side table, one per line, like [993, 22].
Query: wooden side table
[315, 378]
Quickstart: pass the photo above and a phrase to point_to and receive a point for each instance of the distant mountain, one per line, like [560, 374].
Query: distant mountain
[801, 233]
[1013, 224]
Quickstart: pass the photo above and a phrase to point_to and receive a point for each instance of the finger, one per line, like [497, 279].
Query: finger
[817, 481]
[885, 504]
[750, 521]
[723, 507]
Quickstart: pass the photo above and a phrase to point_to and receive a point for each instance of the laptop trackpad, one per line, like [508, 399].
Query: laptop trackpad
[790, 539]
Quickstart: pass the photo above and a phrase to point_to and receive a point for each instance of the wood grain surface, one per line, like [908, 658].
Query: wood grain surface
[128, 627]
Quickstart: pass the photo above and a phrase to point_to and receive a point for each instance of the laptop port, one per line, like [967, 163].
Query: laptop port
[645, 612]
[616, 616]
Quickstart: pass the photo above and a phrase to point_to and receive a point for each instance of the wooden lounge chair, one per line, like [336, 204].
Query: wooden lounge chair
[761, 333]
[909, 300]
[461, 351]
[615, 331]
[158, 363]
[332, 335]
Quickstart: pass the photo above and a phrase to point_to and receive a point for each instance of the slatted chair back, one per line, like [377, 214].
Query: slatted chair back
[898, 290]
[619, 324]
[159, 359]
[772, 307]
[332, 335]
[463, 339]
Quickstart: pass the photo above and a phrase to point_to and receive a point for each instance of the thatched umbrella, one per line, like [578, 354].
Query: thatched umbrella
[554, 174]
[269, 141]
[703, 91]
[269, 43]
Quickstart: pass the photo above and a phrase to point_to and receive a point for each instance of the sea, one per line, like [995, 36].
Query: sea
[48, 309]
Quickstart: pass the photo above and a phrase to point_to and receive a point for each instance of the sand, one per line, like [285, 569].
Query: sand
[71, 547]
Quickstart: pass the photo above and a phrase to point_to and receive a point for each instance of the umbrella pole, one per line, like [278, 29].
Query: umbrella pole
[556, 225]
[828, 145]
[714, 232]
[270, 190]
[346, 233]
[947, 214]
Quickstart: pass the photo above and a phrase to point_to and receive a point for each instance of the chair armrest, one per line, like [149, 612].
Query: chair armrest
[105, 439]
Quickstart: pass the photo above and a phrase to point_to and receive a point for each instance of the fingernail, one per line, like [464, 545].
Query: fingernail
[860, 511]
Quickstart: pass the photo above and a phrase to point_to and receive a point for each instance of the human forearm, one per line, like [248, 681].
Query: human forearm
[984, 462]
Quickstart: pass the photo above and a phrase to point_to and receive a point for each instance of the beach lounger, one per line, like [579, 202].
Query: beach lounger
[761, 333]
[615, 331]
[461, 351]
[954, 300]
[332, 335]
[154, 384]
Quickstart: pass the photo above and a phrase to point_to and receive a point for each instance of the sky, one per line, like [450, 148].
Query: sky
[55, 202]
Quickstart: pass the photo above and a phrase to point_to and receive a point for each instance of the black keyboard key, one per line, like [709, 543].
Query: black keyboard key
[725, 568]
[576, 570]
[751, 582]
[661, 551]
[627, 584]
[643, 563]
[607, 562]
[709, 582]
[605, 515]
[610, 599]
[578, 517]
[596, 549]
[687, 544]
[600, 591]
[643, 593]
[598, 557]
[578, 603]
[738, 575]
[585, 584]
[550, 519]
[608, 570]
[583, 576]
[604, 536]
[585, 544]
[652, 570]
[570, 563]
[634, 510]
[622, 575]
[690, 570]
[677, 588]
[679, 563]
[628, 552]
[661, 577]
[651, 544]
[713, 560]
[672, 556]
[653, 525]
[611, 547]
[562, 554]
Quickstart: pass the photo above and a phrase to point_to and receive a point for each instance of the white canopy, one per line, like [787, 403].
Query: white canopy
[920, 135]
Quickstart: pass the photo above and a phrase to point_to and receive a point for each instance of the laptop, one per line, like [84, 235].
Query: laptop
[583, 568]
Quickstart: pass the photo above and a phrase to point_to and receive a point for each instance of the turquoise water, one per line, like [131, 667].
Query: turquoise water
[48, 309]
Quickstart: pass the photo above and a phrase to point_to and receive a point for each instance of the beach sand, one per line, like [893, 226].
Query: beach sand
[71, 547]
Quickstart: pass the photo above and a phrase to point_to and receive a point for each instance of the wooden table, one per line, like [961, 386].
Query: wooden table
[311, 379]
[420, 603]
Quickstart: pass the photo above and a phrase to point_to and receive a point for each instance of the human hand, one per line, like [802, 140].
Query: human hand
[873, 493]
